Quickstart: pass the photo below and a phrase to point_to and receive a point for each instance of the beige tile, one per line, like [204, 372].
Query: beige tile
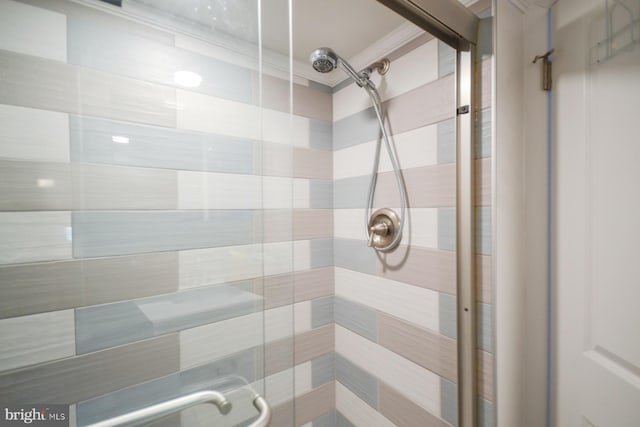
[277, 290]
[427, 268]
[424, 105]
[84, 377]
[427, 187]
[312, 224]
[403, 412]
[315, 403]
[277, 225]
[278, 356]
[424, 347]
[312, 103]
[483, 182]
[314, 164]
[271, 159]
[485, 374]
[28, 186]
[312, 284]
[314, 343]
[282, 415]
[36, 288]
[275, 93]
[483, 278]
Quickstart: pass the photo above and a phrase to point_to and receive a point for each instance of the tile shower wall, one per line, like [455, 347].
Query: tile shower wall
[154, 238]
[395, 313]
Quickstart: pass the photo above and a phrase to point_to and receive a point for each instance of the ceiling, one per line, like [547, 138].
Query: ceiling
[348, 26]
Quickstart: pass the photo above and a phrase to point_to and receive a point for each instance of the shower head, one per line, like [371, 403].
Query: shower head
[324, 60]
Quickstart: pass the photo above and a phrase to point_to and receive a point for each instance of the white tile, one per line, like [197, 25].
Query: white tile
[33, 31]
[301, 255]
[34, 236]
[21, 138]
[408, 302]
[417, 383]
[301, 131]
[415, 148]
[202, 190]
[416, 68]
[216, 340]
[302, 313]
[349, 223]
[277, 192]
[301, 193]
[423, 223]
[201, 267]
[304, 382]
[278, 258]
[285, 128]
[357, 411]
[205, 113]
[354, 161]
[38, 338]
[279, 387]
[278, 323]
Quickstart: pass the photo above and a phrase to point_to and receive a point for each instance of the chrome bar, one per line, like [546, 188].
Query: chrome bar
[161, 410]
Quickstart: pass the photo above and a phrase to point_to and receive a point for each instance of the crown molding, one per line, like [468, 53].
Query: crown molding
[379, 49]
[523, 5]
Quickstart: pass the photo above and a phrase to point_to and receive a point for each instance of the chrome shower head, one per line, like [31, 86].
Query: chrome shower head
[324, 60]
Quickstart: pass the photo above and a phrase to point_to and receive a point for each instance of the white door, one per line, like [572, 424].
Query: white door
[596, 243]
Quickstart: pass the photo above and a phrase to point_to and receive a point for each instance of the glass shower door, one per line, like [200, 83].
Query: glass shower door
[137, 201]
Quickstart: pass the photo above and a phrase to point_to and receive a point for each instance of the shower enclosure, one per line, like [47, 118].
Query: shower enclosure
[181, 217]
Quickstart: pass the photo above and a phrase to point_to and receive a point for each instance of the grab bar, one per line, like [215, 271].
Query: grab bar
[161, 410]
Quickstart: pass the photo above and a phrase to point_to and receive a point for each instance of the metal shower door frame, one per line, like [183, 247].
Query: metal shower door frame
[455, 25]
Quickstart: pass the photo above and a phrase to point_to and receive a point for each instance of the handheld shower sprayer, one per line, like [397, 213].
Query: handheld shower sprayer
[383, 227]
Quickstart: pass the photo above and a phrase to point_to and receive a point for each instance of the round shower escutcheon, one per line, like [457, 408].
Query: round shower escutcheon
[383, 226]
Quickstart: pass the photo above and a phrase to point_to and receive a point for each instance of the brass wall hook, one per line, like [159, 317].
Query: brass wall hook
[546, 69]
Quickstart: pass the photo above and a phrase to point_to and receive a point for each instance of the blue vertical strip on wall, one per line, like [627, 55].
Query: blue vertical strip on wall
[549, 228]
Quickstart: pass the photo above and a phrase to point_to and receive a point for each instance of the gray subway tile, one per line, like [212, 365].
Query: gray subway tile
[38, 338]
[34, 236]
[323, 370]
[34, 82]
[342, 421]
[449, 401]
[446, 59]
[359, 381]
[109, 325]
[328, 419]
[150, 146]
[483, 230]
[321, 193]
[218, 374]
[92, 375]
[483, 134]
[485, 328]
[356, 317]
[351, 192]
[486, 413]
[447, 229]
[29, 186]
[127, 54]
[321, 312]
[36, 288]
[447, 315]
[320, 87]
[322, 253]
[121, 233]
[446, 141]
[355, 255]
[355, 129]
[321, 134]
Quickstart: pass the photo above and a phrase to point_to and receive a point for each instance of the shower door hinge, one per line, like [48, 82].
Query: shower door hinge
[463, 110]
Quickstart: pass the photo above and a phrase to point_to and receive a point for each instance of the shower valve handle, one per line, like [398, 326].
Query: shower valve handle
[380, 228]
